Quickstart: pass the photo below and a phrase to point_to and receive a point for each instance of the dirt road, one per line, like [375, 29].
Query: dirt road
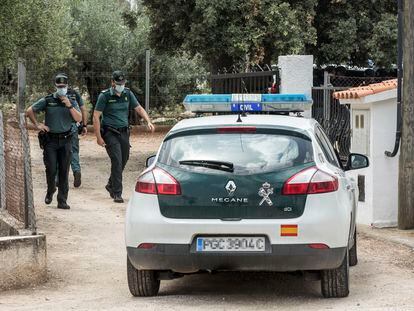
[87, 259]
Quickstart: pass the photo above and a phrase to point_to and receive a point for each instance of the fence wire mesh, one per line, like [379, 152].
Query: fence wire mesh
[15, 173]
[334, 117]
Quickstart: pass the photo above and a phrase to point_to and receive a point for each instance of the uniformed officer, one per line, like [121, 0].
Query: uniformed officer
[74, 163]
[60, 112]
[76, 128]
[114, 105]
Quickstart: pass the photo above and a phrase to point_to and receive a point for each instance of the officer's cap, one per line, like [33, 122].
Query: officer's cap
[61, 78]
[118, 77]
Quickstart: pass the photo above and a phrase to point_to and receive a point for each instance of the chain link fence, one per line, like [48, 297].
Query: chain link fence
[345, 81]
[16, 189]
[334, 117]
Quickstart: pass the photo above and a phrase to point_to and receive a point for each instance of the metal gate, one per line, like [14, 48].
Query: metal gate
[334, 117]
[246, 82]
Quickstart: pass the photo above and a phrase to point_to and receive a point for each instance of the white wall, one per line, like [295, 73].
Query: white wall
[365, 209]
[385, 169]
[296, 74]
[381, 177]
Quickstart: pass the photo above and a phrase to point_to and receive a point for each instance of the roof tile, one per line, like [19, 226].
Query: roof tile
[361, 91]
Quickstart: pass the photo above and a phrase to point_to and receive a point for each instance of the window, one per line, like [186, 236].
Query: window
[326, 146]
[249, 152]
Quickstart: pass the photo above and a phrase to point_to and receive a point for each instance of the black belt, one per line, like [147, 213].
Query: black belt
[60, 135]
[115, 130]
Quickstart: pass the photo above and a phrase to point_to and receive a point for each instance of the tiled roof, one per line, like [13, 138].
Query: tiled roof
[361, 91]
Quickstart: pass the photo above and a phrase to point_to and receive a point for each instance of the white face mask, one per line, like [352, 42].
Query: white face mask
[62, 90]
[119, 88]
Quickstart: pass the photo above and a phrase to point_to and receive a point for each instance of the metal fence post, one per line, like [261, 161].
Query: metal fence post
[147, 79]
[326, 96]
[30, 221]
[21, 86]
[2, 166]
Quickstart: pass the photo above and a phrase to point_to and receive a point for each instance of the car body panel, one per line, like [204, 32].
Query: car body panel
[327, 218]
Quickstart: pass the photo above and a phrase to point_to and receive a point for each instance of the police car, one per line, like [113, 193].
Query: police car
[258, 191]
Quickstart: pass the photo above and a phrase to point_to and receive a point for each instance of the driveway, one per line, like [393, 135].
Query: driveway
[87, 259]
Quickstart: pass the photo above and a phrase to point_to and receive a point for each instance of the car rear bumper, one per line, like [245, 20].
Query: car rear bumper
[183, 258]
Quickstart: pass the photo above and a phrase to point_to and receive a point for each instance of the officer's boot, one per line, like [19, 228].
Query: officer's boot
[118, 198]
[49, 196]
[77, 179]
[63, 205]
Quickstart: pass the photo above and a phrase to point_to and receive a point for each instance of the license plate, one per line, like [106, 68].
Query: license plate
[246, 107]
[231, 244]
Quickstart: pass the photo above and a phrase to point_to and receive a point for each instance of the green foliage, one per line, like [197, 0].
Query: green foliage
[37, 31]
[382, 45]
[232, 32]
[89, 39]
[246, 32]
[351, 32]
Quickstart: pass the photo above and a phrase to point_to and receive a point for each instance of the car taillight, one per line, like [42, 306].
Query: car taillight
[158, 181]
[310, 181]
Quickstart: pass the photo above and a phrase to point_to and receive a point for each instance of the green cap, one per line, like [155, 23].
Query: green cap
[118, 77]
[61, 78]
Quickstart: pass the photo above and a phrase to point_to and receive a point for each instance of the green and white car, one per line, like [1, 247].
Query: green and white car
[264, 194]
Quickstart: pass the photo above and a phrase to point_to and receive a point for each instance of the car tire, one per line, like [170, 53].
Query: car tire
[335, 282]
[142, 283]
[353, 257]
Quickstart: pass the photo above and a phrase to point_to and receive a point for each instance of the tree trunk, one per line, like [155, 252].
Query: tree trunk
[406, 166]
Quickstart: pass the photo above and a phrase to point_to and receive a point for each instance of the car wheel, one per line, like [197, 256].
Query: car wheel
[142, 283]
[353, 258]
[335, 282]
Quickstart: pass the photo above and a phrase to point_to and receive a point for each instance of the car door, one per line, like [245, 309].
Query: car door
[333, 159]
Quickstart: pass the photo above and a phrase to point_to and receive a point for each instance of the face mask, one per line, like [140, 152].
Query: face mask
[119, 88]
[62, 91]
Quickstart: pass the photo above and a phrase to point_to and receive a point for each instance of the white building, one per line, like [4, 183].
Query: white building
[373, 125]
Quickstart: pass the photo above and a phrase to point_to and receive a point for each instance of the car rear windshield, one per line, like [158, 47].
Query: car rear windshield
[249, 152]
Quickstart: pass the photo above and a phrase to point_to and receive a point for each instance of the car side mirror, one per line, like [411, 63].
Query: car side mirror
[150, 160]
[357, 161]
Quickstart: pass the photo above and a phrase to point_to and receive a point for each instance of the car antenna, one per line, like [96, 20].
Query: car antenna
[239, 118]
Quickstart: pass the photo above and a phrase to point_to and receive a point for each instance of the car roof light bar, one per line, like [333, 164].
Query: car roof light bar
[235, 103]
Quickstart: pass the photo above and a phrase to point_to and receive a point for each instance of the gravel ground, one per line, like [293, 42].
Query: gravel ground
[87, 259]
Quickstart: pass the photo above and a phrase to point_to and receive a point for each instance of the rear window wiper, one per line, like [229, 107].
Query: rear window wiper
[215, 165]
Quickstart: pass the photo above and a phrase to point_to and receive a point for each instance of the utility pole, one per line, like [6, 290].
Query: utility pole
[147, 79]
[406, 164]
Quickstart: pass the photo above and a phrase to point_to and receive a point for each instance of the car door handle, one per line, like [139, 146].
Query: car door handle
[350, 188]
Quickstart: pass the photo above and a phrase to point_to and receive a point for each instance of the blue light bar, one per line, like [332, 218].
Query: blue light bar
[246, 102]
[208, 98]
[232, 98]
[275, 98]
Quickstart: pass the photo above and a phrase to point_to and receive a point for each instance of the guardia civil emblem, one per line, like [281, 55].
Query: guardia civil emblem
[264, 192]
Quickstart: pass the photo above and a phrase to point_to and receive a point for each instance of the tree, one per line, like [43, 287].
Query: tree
[232, 32]
[352, 32]
[383, 44]
[37, 31]
[112, 37]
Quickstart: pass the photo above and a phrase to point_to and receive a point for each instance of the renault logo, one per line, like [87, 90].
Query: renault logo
[231, 187]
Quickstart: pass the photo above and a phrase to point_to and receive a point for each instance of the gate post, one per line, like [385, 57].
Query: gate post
[326, 96]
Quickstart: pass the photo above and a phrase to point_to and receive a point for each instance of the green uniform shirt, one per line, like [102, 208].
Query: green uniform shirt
[75, 96]
[57, 116]
[114, 108]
